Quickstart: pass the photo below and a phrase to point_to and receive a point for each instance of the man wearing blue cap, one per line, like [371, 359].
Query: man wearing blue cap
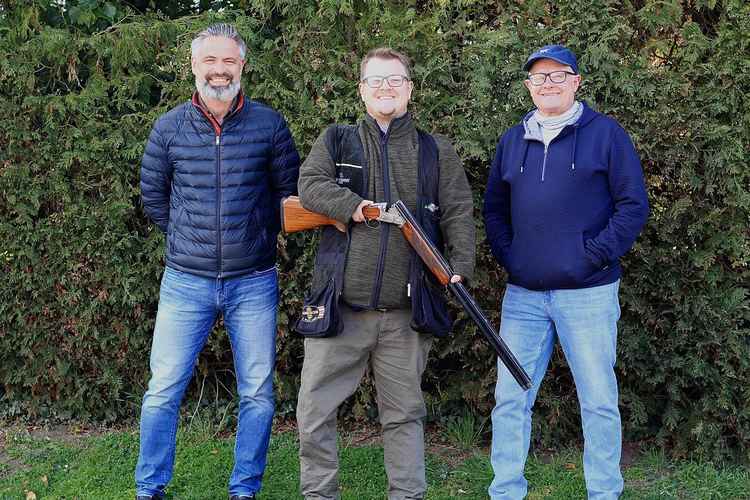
[565, 200]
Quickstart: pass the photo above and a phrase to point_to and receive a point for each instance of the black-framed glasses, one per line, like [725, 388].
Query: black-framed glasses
[376, 81]
[554, 77]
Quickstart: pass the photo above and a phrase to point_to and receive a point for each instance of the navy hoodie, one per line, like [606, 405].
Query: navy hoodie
[562, 218]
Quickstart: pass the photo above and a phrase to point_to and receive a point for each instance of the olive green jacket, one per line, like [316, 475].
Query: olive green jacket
[319, 192]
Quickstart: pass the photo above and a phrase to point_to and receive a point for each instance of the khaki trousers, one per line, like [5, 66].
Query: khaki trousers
[331, 372]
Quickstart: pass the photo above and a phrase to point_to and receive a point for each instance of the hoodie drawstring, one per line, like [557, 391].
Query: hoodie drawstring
[525, 152]
[573, 151]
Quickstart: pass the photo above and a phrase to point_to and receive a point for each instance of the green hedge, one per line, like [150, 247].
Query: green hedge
[82, 264]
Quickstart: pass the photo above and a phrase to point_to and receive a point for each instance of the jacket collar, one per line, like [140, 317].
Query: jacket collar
[237, 103]
[400, 126]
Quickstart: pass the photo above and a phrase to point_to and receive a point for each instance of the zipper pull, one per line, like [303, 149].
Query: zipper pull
[408, 289]
[217, 139]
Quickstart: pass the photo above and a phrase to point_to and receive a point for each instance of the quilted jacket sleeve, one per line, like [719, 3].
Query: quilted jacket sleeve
[284, 166]
[156, 178]
[285, 163]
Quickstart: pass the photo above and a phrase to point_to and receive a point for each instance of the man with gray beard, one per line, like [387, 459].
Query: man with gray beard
[212, 178]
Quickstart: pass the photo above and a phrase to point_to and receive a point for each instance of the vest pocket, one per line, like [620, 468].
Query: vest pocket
[320, 315]
[429, 313]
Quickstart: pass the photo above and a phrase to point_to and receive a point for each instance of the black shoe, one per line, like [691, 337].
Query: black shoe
[148, 497]
[242, 497]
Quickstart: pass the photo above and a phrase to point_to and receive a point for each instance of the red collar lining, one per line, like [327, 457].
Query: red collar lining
[236, 107]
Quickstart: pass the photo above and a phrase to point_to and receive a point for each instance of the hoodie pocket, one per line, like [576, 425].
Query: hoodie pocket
[549, 259]
[580, 267]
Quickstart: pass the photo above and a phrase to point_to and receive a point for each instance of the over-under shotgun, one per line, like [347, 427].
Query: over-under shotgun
[296, 218]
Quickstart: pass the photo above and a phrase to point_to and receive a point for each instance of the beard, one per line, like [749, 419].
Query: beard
[223, 93]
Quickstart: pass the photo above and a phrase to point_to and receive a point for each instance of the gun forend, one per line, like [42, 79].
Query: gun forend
[419, 241]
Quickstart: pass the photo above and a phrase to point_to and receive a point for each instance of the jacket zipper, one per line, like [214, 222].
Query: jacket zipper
[217, 129]
[385, 228]
[546, 149]
[218, 202]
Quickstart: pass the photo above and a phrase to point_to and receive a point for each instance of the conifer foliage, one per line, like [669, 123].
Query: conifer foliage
[82, 81]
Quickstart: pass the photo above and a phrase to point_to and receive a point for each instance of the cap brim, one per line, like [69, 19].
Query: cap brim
[531, 62]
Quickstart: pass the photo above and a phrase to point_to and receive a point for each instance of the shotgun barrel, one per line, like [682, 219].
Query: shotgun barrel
[497, 343]
[437, 264]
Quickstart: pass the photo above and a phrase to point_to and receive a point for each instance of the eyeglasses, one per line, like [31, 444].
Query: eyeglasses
[376, 81]
[554, 77]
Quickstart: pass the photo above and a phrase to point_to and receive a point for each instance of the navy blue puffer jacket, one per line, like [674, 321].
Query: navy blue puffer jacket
[215, 190]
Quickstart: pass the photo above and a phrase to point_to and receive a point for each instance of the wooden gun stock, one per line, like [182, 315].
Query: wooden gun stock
[295, 217]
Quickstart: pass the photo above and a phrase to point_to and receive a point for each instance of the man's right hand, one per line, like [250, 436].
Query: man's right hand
[357, 215]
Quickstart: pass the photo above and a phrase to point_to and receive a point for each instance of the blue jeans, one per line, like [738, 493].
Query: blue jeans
[188, 307]
[585, 321]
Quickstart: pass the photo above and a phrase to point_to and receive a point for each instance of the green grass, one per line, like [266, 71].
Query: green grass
[465, 431]
[101, 467]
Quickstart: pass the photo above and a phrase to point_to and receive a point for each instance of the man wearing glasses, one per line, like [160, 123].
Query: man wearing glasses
[565, 200]
[382, 159]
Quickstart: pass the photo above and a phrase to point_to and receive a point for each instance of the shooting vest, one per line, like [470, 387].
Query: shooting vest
[320, 314]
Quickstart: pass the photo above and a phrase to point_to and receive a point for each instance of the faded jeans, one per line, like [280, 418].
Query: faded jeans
[585, 322]
[188, 308]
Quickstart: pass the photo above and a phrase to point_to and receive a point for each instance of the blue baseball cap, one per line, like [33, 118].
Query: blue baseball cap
[557, 53]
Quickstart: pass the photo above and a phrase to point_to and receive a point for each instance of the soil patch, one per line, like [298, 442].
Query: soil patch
[65, 434]
[8, 464]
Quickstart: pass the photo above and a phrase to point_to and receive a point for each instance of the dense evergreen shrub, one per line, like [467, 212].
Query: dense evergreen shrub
[81, 88]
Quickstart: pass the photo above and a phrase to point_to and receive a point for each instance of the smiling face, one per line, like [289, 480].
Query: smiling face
[385, 102]
[553, 99]
[217, 66]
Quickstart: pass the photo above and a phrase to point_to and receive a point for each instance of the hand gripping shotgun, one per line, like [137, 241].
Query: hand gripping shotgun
[296, 218]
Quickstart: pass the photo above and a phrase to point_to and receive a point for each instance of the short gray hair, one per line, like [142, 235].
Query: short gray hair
[219, 29]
